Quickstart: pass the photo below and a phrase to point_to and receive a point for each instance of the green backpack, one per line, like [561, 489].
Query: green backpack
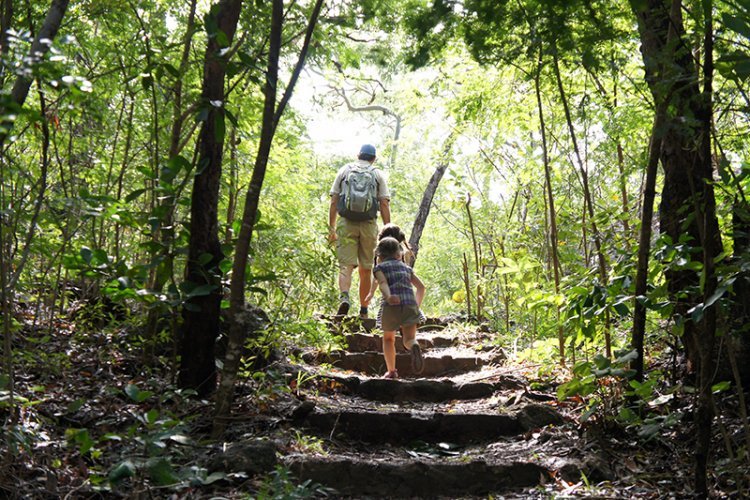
[358, 200]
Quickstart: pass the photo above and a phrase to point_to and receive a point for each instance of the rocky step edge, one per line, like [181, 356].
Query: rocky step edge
[384, 477]
[436, 362]
[429, 390]
[363, 342]
[353, 323]
[399, 427]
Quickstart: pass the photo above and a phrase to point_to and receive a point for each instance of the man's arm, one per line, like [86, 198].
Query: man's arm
[385, 210]
[420, 288]
[332, 212]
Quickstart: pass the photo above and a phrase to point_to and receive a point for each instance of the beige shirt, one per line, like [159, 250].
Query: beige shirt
[383, 192]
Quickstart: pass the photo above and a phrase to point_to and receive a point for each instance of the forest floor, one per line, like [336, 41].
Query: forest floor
[95, 423]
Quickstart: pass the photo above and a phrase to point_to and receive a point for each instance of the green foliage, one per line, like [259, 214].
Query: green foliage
[150, 446]
[279, 485]
[599, 383]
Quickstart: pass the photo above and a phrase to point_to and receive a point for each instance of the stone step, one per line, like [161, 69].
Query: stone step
[363, 342]
[436, 363]
[354, 323]
[435, 391]
[384, 477]
[428, 426]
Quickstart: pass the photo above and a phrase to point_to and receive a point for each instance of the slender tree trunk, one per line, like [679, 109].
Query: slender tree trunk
[705, 208]
[467, 286]
[623, 182]
[427, 197]
[6, 20]
[201, 311]
[39, 47]
[588, 199]
[644, 242]
[477, 259]
[551, 205]
[233, 187]
[271, 117]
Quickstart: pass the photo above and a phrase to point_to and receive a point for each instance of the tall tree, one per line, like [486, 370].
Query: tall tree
[201, 311]
[427, 196]
[272, 113]
[688, 205]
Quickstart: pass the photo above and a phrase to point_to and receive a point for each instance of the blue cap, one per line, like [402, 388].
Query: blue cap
[367, 149]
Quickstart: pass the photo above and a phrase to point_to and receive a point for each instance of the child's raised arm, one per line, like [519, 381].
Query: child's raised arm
[386, 290]
[420, 288]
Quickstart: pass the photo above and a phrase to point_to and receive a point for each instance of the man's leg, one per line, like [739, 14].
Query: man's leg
[367, 240]
[346, 252]
[365, 282]
[345, 283]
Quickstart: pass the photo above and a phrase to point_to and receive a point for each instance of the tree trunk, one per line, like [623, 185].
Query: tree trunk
[164, 233]
[426, 203]
[271, 116]
[551, 205]
[588, 199]
[688, 203]
[644, 243]
[6, 19]
[39, 47]
[201, 312]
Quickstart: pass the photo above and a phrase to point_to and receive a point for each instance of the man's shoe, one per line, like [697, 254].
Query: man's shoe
[417, 361]
[343, 308]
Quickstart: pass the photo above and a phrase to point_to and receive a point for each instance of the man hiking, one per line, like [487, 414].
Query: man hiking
[358, 193]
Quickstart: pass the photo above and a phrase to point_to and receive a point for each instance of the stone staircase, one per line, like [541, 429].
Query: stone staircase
[465, 427]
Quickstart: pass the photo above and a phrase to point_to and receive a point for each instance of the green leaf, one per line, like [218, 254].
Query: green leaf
[696, 313]
[135, 194]
[160, 471]
[136, 394]
[147, 81]
[721, 386]
[181, 439]
[225, 266]
[152, 415]
[205, 258]
[201, 291]
[123, 282]
[87, 254]
[76, 405]
[171, 70]
[737, 24]
[626, 356]
[121, 471]
[715, 296]
[212, 478]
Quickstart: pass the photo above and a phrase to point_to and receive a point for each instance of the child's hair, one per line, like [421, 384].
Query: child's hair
[393, 231]
[388, 247]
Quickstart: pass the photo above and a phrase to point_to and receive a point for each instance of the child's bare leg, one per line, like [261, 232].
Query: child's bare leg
[389, 350]
[409, 335]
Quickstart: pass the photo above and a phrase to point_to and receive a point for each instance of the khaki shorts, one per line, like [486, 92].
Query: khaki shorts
[356, 242]
[397, 316]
